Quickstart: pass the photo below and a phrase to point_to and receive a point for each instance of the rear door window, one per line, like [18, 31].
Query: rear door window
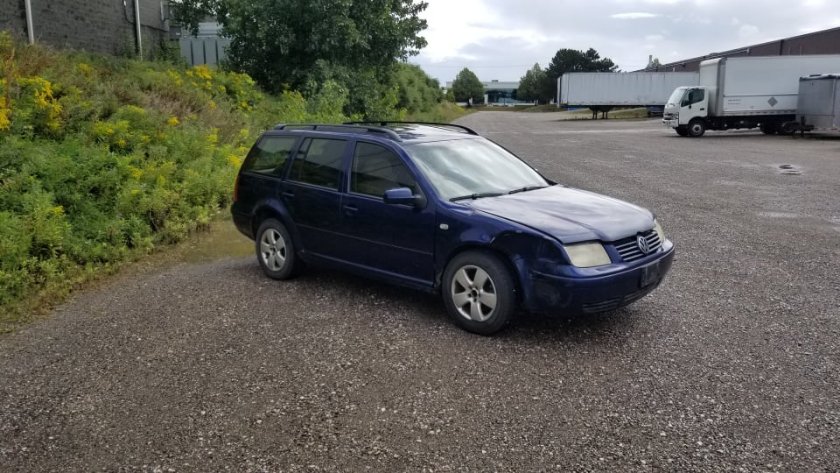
[319, 162]
[270, 155]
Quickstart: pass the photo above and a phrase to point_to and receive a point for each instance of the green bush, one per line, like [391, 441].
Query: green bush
[102, 158]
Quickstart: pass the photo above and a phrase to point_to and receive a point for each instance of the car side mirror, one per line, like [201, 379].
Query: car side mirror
[403, 196]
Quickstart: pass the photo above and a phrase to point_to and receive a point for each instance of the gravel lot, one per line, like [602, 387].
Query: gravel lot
[731, 365]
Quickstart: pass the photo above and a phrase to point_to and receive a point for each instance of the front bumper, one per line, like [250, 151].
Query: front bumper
[588, 295]
[671, 122]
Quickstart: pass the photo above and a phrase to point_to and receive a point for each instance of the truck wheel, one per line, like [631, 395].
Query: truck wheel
[696, 128]
[682, 130]
[769, 128]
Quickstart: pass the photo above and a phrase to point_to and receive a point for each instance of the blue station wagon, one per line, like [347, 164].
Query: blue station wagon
[438, 208]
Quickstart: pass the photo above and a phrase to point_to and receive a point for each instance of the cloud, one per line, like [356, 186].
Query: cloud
[747, 31]
[501, 39]
[634, 15]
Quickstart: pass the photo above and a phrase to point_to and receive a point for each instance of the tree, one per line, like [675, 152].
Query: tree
[417, 92]
[467, 86]
[301, 44]
[531, 85]
[572, 60]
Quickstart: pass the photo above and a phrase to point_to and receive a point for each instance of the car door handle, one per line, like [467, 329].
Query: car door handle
[289, 194]
[350, 209]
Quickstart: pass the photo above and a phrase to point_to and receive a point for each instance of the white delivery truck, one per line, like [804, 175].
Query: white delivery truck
[605, 90]
[818, 107]
[743, 92]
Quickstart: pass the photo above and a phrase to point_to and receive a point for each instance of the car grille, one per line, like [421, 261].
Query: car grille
[629, 250]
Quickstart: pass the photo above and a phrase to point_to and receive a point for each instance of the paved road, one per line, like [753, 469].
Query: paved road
[731, 365]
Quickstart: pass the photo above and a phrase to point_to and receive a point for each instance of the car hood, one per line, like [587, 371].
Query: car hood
[568, 214]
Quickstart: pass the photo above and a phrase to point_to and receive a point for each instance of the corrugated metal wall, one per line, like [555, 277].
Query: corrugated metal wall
[208, 47]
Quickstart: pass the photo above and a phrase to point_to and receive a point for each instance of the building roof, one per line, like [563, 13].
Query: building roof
[817, 42]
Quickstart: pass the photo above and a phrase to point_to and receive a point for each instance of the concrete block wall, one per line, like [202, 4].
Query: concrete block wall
[104, 26]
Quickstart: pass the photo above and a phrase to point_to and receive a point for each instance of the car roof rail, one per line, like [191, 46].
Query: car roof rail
[346, 128]
[461, 128]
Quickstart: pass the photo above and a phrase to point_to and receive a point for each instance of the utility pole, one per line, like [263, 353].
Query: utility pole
[29, 29]
[138, 27]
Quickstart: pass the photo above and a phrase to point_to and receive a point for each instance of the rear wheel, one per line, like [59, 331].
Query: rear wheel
[681, 130]
[696, 128]
[769, 128]
[478, 291]
[276, 251]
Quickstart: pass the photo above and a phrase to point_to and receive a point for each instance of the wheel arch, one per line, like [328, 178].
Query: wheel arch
[511, 248]
[276, 211]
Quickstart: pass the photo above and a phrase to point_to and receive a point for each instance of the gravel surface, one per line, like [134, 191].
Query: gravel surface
[731, 365]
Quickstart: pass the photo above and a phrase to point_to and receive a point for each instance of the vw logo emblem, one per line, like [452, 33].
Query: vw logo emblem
[643, 244]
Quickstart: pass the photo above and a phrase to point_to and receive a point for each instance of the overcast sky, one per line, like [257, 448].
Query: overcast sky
[501, 39]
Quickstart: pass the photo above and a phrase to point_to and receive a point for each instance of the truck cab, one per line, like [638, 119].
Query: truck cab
[686, 111]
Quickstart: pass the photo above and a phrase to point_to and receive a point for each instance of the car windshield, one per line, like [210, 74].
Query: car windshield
[472, 168]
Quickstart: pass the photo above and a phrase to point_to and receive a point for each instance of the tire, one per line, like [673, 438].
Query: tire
[696, 128]
[479, 292]
[769, 128]
[276, 252]
[682, 130]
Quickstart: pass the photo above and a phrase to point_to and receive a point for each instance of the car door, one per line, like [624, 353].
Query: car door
[311, 193]
[397, 239]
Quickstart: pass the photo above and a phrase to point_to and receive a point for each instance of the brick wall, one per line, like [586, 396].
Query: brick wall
[105, 26]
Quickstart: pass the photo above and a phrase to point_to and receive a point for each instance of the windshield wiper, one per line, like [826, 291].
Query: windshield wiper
[525, 189]
[476, 196]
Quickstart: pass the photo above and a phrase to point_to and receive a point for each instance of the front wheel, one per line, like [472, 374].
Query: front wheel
[276, 251]
[479, 292]
[696, 128]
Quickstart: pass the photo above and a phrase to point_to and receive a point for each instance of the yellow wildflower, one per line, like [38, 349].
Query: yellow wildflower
[85, 69]
[5, 111]
[203, 72]
[234, 160]
[213, 137]
[212, 105]
[173, 121]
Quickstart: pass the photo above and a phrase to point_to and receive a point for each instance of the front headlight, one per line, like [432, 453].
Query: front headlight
[659, 231]
[586, 255]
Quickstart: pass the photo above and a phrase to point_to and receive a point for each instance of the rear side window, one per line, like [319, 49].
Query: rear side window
[270, 154]
[377, 169]
[318, 162]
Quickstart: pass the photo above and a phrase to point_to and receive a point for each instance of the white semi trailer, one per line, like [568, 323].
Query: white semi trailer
[743, 92]
[606, 90]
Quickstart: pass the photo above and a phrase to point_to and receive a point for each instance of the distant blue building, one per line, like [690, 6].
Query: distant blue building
[499, 93]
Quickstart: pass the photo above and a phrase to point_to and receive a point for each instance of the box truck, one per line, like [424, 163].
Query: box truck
[605, 90]
[818, 106]
[743, 92]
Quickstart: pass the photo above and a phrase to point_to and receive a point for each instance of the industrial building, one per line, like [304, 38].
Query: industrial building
[818, 42]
